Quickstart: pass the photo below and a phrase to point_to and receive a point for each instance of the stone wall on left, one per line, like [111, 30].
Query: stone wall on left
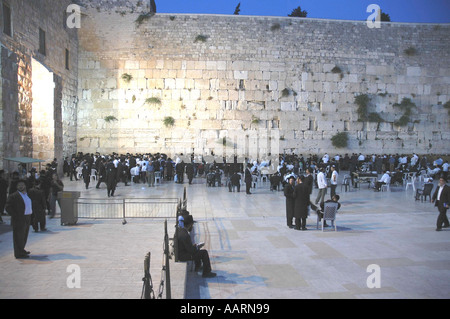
[37, 32]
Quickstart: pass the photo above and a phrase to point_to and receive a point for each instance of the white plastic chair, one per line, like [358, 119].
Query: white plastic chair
[387, 185]
[346, 182]
[94, 174]
[157, 178]
[254, 181]
[329, 213]
[264, 176]
[410, 181]
[79, 170]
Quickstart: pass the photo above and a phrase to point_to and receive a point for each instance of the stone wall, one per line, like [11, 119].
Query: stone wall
[296, 77]
[20, 133]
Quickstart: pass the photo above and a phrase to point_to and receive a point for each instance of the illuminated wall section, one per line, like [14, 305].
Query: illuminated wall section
[43, 112]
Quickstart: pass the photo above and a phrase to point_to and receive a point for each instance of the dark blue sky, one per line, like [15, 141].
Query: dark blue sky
[419, 11]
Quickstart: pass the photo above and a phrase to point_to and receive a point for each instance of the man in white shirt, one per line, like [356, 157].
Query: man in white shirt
[385, 179]
[322, 184]
[445, 169]
[361, 159]
[19, 206]
[333, 181]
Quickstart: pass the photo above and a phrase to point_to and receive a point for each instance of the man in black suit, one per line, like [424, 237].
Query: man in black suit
[275, 181]
[86, 172]
[38, 205]
[235, 181]
[101, 168]
[190, 172]
[290, 201]
[248, 179]
[188, 251]
[309, 180]
[301, 197]
[19, 207]
[111, 178]
[73, 169]
[441, 198]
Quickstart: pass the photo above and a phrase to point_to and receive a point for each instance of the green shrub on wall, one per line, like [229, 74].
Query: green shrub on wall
[127, 77]
[110, 118]
[406, 105]
[153, 101]
[169, 121]
[362, 101]
[340, 140]
[447, 106]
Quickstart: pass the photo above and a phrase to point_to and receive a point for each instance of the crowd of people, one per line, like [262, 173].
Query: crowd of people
[293, 173]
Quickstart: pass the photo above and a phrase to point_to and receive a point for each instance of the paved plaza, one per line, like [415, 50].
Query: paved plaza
[253, 252]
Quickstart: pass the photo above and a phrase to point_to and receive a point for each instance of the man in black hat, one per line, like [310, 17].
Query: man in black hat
[188, 251]
[290, 201]
[248, 179]
[111, 177]
[302, 202]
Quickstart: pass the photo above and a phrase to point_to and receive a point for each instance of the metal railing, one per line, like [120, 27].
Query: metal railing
[123, 208]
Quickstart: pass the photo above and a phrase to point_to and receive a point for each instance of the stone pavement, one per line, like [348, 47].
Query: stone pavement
[252, 251]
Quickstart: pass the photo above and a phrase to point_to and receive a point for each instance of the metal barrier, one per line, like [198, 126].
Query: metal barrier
[116, 208]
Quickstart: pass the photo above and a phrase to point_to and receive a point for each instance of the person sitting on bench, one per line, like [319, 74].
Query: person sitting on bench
[188, 251]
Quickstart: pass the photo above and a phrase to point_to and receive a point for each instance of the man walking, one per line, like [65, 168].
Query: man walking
[111, 178]
[19, 207]
[441, 198]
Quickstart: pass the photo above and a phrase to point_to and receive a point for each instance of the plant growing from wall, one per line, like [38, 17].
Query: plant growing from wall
[126, 77]
[406, 105]
[201, 38]
[286, 92]
[340, 140]
[411, 51]
[143, 17]
[337, 70]
[447, 106]
[153, 101]
[110, 118]
[362, 101]
[374, 117]
[255, 120]
[275, 27]
[169, 121]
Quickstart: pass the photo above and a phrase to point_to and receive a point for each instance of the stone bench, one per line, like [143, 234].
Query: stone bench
[178, 278]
